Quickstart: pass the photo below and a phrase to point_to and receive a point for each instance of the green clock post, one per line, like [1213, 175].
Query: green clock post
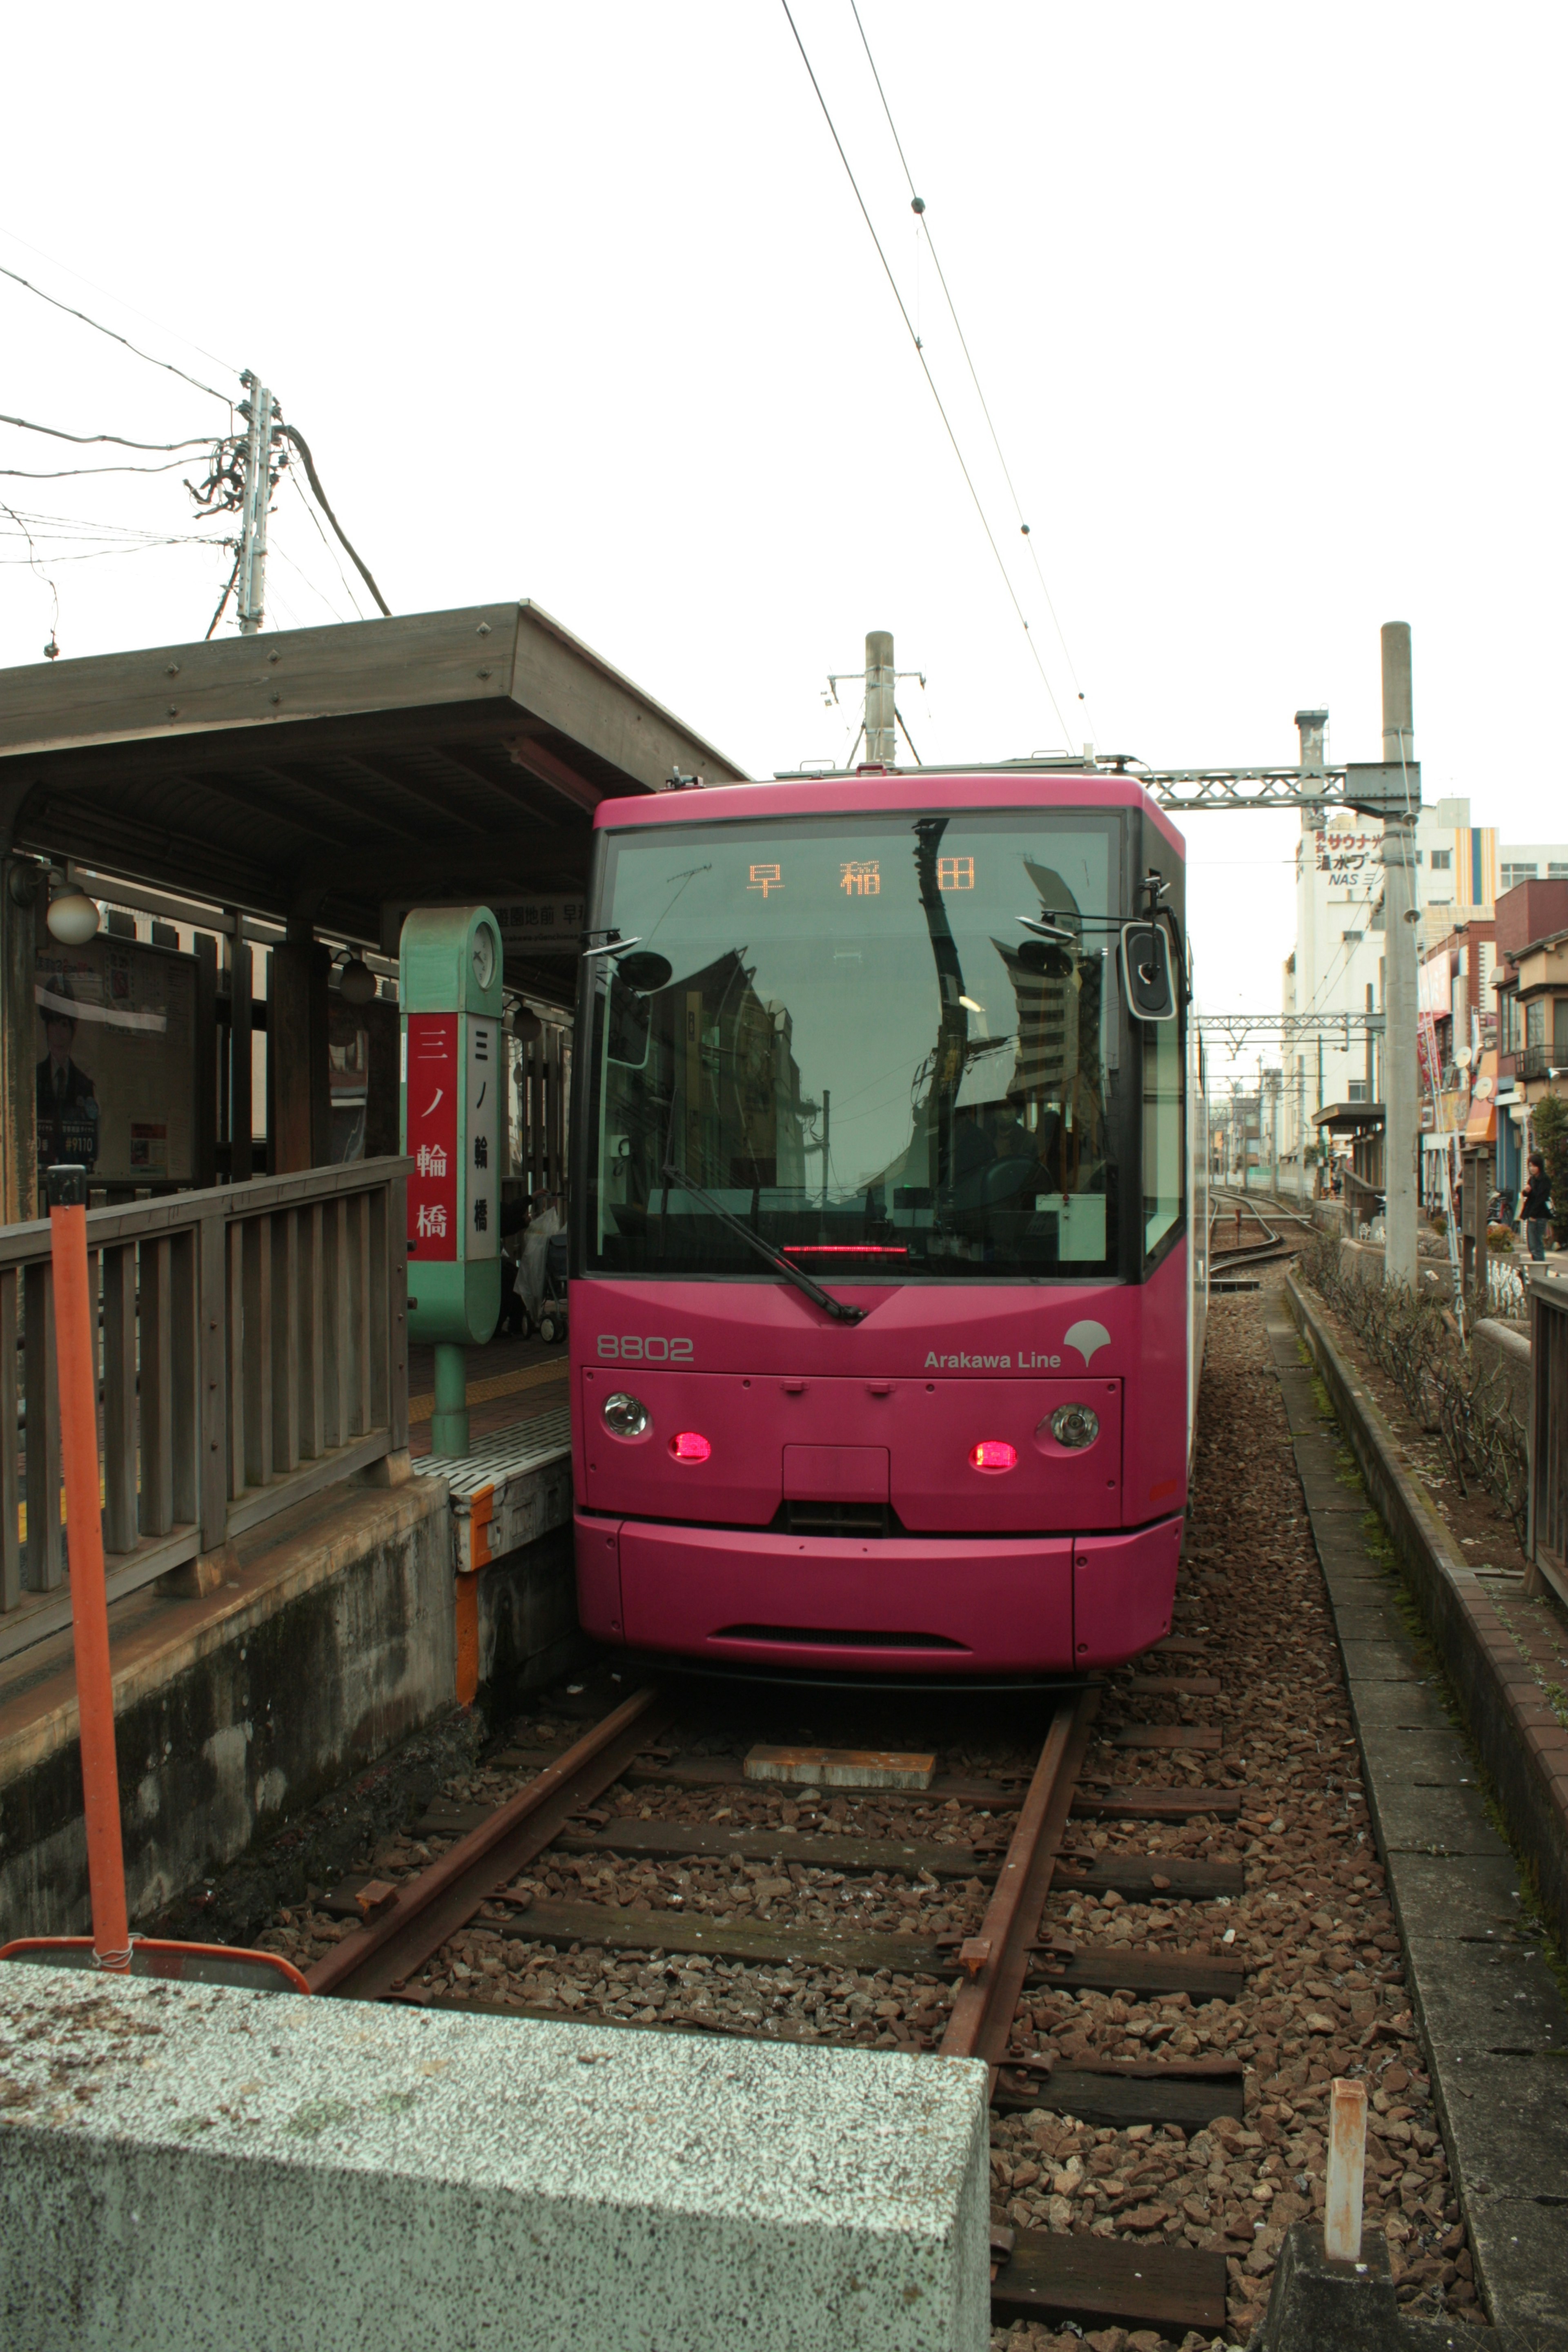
[453, 1071]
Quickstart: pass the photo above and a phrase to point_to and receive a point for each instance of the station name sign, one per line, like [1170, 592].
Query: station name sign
[543, 923]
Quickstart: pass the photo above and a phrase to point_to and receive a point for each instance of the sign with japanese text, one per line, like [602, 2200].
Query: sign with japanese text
[481, 1233]
[431, 1045]
[541, 923]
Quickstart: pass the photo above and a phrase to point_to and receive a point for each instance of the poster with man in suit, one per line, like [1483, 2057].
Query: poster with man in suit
[116, 1069]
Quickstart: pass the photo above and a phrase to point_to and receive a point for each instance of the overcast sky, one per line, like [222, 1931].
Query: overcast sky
[577, 304]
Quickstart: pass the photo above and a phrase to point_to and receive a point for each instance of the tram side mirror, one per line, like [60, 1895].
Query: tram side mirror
[1147, 978]
[645, 972]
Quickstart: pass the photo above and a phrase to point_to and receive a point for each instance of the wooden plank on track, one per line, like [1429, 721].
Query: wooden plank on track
[1101, 1967]
[1123, 1801]
[1130, 2282]
[718, 1842]
[1111, 2100]
[742, 1940]
[725, 1772]
[1168, 1735]
[1149, 1877]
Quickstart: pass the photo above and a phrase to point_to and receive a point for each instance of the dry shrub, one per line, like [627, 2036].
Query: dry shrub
[1449, 1393]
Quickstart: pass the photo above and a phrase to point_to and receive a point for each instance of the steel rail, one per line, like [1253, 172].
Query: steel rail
[980, 2022]
[426, 1910]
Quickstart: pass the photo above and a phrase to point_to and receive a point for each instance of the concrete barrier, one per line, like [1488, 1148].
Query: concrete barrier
[187, 2169]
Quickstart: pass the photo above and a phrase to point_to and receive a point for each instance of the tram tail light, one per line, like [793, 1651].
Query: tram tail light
[993, 1454]
[685, 1445]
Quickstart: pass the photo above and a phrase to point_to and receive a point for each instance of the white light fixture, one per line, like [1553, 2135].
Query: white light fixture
[72, 918]
[357, 981]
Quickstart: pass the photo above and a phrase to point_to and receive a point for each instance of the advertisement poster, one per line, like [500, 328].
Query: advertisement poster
[116, 1066]
[430, 1043]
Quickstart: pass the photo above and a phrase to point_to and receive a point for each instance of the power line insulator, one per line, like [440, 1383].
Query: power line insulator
[917, 204]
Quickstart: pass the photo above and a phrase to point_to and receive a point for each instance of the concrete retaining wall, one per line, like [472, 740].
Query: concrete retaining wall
[331, 1641]
[187, 2169]
[1515, 1730]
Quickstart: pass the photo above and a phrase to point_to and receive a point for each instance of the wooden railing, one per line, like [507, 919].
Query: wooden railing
[1547, 1546]
[253, 1349]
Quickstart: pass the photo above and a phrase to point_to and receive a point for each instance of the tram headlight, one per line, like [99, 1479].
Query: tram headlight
[627, 1416]
[1074, 1425]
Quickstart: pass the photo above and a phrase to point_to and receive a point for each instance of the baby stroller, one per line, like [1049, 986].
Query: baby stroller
[551, 1323]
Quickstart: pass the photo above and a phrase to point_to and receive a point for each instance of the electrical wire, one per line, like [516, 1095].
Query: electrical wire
[167, 365]
[196, 441]
[327, 543]
[924, 218]
[293, 432]
[31, 558]
[931, 380]
[70, 473]
[91, 283]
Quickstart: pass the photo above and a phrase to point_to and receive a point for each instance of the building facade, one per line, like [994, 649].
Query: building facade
[1337, 964]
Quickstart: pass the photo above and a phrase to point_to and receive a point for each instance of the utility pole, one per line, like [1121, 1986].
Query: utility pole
[881, 719]
[252, 582]
[1401, 1123]
[1311, 728]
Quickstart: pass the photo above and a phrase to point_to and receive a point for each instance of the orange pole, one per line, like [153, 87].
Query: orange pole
[75, 1342]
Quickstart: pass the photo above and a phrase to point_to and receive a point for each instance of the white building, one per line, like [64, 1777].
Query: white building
[1336, 965]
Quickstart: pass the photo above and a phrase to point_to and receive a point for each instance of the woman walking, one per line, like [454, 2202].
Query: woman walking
[1533, 1205]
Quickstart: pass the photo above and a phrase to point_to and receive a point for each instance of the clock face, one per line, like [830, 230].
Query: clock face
[484, 955]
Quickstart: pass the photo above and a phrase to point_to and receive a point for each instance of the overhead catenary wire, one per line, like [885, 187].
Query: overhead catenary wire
[923, 219]
[931, 380]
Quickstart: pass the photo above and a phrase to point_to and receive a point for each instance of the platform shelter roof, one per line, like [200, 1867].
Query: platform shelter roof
[329, 774]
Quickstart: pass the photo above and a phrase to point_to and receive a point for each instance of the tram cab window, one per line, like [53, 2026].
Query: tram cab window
[854, 1044]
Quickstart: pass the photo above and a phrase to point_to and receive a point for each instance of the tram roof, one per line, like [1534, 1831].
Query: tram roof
[327, 772]
[1049, 782]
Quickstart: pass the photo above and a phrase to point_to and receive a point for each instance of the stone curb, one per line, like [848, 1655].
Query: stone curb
[1521, 1742]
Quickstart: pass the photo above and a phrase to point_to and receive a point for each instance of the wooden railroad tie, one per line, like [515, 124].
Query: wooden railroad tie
[1128, 2282]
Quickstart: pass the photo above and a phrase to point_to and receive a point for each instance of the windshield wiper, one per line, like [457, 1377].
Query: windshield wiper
[775, 1259]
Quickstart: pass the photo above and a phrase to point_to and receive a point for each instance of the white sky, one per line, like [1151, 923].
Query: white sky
[576, 304]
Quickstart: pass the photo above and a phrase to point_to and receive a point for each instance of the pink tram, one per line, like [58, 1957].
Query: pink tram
[889, 1249]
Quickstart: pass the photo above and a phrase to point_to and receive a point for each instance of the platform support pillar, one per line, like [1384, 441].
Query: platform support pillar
[450, 1420]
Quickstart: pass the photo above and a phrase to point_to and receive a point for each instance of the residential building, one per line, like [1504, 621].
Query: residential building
[1337, 962]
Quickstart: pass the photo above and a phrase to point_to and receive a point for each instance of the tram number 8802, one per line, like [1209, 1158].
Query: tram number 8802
[634, 1351]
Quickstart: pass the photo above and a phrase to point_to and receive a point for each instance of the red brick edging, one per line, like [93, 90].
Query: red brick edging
[1514, 1728]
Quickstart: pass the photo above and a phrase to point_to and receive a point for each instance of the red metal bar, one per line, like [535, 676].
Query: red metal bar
[75, 1330]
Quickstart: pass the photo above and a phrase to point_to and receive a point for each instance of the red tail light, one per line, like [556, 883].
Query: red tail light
[993, 1454]
[685, 1445]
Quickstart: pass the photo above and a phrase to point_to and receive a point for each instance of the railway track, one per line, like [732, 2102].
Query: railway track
[1151, 1907]
[965, 1981]
[1243, 1257]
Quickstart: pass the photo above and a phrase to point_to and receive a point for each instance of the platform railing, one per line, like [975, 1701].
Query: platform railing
[1548, 1533]
[253, 1350]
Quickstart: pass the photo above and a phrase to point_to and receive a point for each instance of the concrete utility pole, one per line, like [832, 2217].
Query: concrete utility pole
[1311, 728]
[881, 719]
[252, 582]
[1402, 1129]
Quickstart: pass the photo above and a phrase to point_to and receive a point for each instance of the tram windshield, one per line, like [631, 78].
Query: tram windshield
[838, 1030]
